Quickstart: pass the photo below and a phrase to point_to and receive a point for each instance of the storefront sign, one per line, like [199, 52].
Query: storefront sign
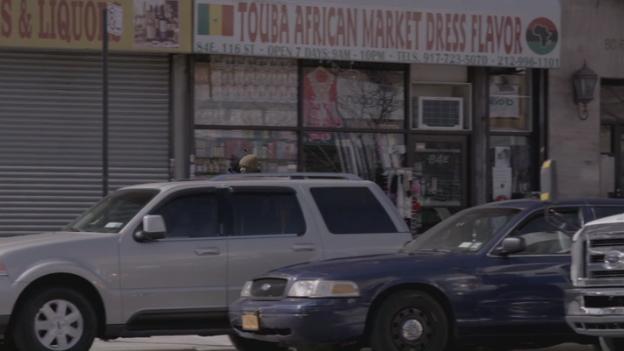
[134, 25]
[513, 34]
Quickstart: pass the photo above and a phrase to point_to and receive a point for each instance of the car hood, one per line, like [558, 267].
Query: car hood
[370, 267]
[12, 243]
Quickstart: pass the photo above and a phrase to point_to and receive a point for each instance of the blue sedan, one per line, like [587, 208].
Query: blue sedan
[493, 275]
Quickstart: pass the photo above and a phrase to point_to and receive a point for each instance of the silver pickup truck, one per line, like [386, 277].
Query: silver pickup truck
[165, 259]
[595, 304]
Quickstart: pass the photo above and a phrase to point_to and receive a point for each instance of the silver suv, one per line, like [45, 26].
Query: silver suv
[165, 259]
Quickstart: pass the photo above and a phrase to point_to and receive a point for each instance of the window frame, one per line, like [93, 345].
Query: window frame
[272, 190]
[381, 204]
[193, 191]
[529, 217]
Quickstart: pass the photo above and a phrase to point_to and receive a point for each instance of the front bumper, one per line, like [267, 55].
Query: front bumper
[601, 320]
[303, 321]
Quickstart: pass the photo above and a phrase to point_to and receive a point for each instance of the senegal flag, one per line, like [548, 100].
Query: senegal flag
[215, 20]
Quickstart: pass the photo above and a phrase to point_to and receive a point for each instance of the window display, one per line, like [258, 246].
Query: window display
[512, 174]
[246, 91]
[218, 151]
[350, 98]
[510, 101]
[370, 156]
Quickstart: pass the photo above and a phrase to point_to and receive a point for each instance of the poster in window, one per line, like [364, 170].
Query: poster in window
[504, 97]
[157, 23]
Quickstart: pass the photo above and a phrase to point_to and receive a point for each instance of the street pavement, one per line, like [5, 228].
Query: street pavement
[218, 343]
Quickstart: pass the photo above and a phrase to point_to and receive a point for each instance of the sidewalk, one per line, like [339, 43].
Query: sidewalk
[218, 343]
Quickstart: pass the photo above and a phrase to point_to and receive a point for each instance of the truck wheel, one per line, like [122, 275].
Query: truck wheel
[242, 344]
[410, 320]
[612, 344]
[56, 319]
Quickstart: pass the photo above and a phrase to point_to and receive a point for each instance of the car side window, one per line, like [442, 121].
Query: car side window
[543, 238]
[607, 211]
[267, 213]
[191, 216]
[352, 210]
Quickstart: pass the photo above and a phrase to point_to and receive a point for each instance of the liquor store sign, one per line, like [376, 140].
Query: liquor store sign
[134, 25]
[506, 34]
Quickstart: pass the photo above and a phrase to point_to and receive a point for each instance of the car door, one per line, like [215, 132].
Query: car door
[183, 276]
[270, 230]
[525, 290]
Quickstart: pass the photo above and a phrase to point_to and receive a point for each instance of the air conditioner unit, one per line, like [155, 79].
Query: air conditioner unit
[442, 113]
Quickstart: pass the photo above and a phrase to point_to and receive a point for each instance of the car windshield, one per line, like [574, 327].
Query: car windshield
[113, 212]
[467, 231]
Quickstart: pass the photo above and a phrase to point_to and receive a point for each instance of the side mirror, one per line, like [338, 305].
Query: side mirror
[154, 228]
[510, 246]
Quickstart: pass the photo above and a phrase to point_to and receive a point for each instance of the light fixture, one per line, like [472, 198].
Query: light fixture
[584, 80]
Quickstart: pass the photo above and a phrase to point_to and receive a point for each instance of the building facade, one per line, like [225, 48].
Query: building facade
[442, 105]
[588, 148]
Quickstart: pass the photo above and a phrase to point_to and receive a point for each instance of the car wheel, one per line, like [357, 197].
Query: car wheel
[611, 344]
[243, 344]
[410, 321]
[56, 319]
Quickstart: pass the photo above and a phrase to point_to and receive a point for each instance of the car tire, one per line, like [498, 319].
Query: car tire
[410, 320]
[55, 319]
[612, 344]
[243, 344]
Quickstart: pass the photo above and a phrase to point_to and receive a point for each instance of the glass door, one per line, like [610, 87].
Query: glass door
[438, 167]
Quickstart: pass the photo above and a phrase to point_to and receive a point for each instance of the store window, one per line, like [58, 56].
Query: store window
[218, 151]
[510, 100]
[371, 156]
[513, 167]
[353, 98]
[246, 91]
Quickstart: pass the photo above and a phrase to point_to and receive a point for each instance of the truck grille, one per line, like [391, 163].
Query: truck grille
[601, 248]
[607, 242]
[269, 288]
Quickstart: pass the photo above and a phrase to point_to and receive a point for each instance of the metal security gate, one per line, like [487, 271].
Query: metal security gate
[50, 133]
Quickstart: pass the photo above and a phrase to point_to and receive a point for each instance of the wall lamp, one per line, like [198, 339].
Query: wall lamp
[584, 80]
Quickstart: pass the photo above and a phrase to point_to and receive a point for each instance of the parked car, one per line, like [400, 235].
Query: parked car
[491, 274]
[595, 304]
[164, 259]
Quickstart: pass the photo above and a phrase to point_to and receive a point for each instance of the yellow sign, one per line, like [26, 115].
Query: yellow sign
[134, 25]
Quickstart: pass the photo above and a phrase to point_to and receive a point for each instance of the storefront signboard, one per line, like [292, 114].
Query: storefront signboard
[495, 33]
[134, 25]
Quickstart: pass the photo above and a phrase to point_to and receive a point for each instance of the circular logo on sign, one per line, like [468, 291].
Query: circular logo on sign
[542, 36]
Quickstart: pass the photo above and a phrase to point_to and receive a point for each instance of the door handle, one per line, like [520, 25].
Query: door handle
[303, 247]
[211, 251]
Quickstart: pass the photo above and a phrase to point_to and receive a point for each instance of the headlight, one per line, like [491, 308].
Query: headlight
[323, 288]
[246, 292]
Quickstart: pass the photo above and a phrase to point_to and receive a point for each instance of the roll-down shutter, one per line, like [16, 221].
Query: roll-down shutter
[51, 133]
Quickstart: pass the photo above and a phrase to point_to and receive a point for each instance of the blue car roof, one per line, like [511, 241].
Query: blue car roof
[527, 204]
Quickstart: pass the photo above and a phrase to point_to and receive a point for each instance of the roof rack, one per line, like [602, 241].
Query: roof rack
[332, 176]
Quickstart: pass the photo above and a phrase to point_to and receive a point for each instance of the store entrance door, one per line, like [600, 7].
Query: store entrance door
[439, 178]
[612, 138]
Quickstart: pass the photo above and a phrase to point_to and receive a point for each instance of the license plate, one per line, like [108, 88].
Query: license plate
[251, 322]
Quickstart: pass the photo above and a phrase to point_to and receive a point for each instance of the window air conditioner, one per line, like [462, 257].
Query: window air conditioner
[442, 113]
